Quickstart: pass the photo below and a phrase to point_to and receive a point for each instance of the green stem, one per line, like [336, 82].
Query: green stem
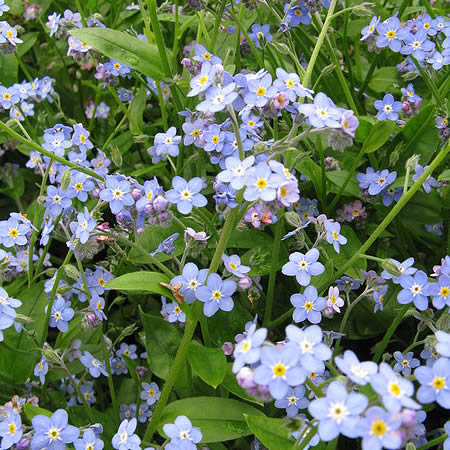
[429, 82]
[43, 333]
[41, 150]
[369, 74]
[217, 24]
[273, 270]
[112, 391]
[319, 43]
[312, 432]
[414, 345]
[434, 442]
[377, 232]
[390, 332]
[427, 6]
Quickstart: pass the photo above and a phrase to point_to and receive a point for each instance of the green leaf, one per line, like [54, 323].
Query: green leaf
[9, 69]
[260, 260]
[161, 342]
[209, 364]
[140, 55]
[140, 282]
[365, 125]
[338, 178]
[383, 79]
[220, 419]
[273, 433]
[309, 168]
[378, 135]
[31, 411]
[231, 385]
[445, 175]
[137, 111]
[29, 40]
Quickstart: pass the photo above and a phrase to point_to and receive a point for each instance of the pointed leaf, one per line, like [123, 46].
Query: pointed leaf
[273, 433]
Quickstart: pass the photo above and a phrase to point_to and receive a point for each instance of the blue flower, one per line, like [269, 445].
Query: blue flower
[435, 383]
[127, 350]
[262, 183]
[203, 80]
[41, 369]
[259, 91]
[11, 426]
[57, 200]
[79, 187]
[359, 372]
[81, 137]
[116, 193]
[167, 143]
[417, 45]
[116, 68]
[395, 391]
[202, 55]
[391, 34]
[308, 306]
[95, 367]
[125, 95]
[303, 266]
[61, 314]
[166, 246]
[84, 226]
[410, 94]
[174, 313]
[233, 265]
[191, 279]
[404, 268]
[125, 439]
[52, 432]
[312, 351]
[405, 363]
[151, 190]
[380, 429]
[297, 15]
[279, 370]
[392, 194]
[378, 296]
[260, 33]
[193, 132]
[370, 29]
[8, 96]
[440, 292]
[415, 289]
[290, 83]
[150, 393]
[338, 412]
[387, 108]
[144, 413]
[236, 171]
[216, 294]
[429, 183]
[183, 436]
[89, 441]
[97, 304]
[3, 7]
[217, 98]
[56, 142]
[322, 112]
[381, 181]
[13, 233]
[186, 194]
[443, 344]
[334, 236]
[248, 350]
[214, 139]
[293, 401]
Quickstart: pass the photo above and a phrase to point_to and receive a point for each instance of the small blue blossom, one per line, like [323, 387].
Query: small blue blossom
[435, 383]
[443, 343]
[3, 7]
[429, 183]
[405, 363]
[291, 85]
[260, 33]
[260, 91]
[56, 142]
[81, 137]
[248, 350]
[370, 29]
[41, 369]
[297, 15]
[8, 96]
[57, 200]
[303, 266]
[174, 313]
[166, 246]
[391, 194]
[183, 436]
[144, 413]
[84, 225]
[95, 367]
[334, 235]
[125, 439]
[279, 370]
[216, 294]
[293, 401]
[388, 108]
[214, 139]
[359, 372]
[308, 306]
[404, 268]
[203, 80]
[391, 34]
[79, 187]
[127, 350]
[338, 412]
[116, 193]
[417, 45]
[150, 393]
[125, 95]
[11, 425]
[262, 183]
[167, 143]
[202, 55]
[186, 194]
[61, 314]
[52, 432]
[415, 289]
[13, 233]
[116, 68]
[440, 292]
[217, 98]
[89, 441]
[191, 279]
[410, 94]
[395, 391]
[381, 181]
[322, 112]
[233, 265]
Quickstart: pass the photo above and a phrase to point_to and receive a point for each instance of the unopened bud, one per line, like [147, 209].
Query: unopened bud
[293, 219]
[51, 354]
[65, 180]
[281, 48]
[72, 272]
[412, 162]
[391, 267]
[116, 156]
[245, 283]
[227, 348]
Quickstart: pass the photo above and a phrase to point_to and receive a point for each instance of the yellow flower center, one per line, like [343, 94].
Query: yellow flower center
[82, 139]
[13, 232]
[335, 235]
[117, 66]
[438, 383]
[151, 392]
[216, 295]
[379, 428]
[117, 194]
[283, 192]
[445, 291]
[394, 388]
[308, 306]
[206, 56]
[12, 428]
[53, 434]
[101, 282]
[149, 196]
[196, 133]
[279, 370]
[260, 92]
[261, 183]
[78, 187]
[232, 266]
[390, 34]
[215, 140]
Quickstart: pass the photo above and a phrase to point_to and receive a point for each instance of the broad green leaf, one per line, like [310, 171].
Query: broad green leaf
[161, 342]
[231, 385]
[338, 178]
[220, 419]
[365, 126]
[273, 433]
[120, 46]
[209, 364]
[31, 411]
[137, 111]
[140, 282]
[445, 175]
[79, 418]
[378, 135]
[29, 40]
[423, 209]
[309, 168]
[8, 69]
[248, 239]
[383, 79]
